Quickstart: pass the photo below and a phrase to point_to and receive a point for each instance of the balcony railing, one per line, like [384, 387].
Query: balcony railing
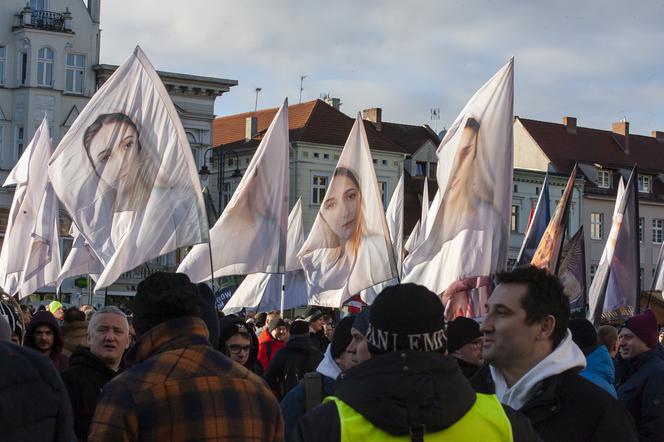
[47, 20]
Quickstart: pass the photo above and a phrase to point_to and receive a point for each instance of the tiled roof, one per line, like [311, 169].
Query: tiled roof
[409, 137]
[596, 146]
[311, 122]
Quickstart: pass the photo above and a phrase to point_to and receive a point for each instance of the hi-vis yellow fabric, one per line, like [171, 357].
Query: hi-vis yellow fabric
[485, 421]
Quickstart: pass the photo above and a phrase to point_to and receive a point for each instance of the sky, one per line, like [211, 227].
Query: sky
[598, 61]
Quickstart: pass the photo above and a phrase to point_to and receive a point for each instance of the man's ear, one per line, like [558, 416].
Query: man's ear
[546, 327]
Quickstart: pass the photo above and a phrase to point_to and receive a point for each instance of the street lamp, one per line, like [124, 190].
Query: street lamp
[236, 174]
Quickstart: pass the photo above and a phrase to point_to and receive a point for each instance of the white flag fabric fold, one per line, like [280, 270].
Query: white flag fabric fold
[467, 231]
[81, 260]
[126, 174]
[615, 289]
[262, 291]
[419, 232]
[30, 257]
[349, 247]
[250, 234]
[394, 216]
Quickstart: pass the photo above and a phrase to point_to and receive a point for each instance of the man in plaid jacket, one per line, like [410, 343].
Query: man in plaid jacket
[177, 387]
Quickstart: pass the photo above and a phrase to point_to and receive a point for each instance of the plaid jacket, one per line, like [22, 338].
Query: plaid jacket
[179, 389]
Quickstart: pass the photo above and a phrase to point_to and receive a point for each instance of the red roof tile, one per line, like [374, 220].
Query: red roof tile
[312, 122]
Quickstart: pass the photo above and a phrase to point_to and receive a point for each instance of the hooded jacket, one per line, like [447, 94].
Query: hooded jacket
[641, 391]
[293, 404]
[60, 361]
[561, 405]
[379, 389]
[268, 348]
[288, 367]
[84, 379]
[600, 370]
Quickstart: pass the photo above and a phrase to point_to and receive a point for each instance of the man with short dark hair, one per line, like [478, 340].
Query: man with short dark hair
[44, 335]
[90, 368]
[408, 389]
[533, 362]
[177, 387]
[641, 387]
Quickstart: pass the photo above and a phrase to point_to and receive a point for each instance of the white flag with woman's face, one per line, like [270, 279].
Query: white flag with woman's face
[126, 174]
[467, 230]
[349, 247]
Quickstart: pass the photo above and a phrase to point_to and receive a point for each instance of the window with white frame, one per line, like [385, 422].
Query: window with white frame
[596, 225]
[75, 73]
[515, 219]
[603, 178]
[3, 63]
[45, 67]
[19, 140]
[593, 270]
[382, 185]
[319, 184]
[22, 68]
[39, 5]
[657, 230]
[226, 193]
[641, 225]
[645, 183]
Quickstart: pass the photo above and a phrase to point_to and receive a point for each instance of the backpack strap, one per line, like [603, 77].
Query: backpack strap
[313, 390]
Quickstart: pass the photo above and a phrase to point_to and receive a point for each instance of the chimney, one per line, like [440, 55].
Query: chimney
[250, 128]
[622, 128]
[94, 9]
[334, 102]
[570, 125]
[374, 115]
[659, 136]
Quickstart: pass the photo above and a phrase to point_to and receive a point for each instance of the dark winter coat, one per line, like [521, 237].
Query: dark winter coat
[567, 407]
[379, 389]
[320, 340]
[60, 361]
[293, 404]
[299, 356]
[467, 369]
[33, 400]
[641, 391]
[84, 379]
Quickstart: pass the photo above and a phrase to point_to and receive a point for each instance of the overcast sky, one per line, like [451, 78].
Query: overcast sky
[599, 61]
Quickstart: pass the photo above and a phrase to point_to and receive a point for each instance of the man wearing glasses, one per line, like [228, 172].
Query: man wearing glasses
[464, 342]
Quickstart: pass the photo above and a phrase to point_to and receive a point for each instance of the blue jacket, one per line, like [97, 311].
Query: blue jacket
[600, 370]
[641, 391]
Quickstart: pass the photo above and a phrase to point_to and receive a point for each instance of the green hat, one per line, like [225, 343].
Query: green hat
[54, 306]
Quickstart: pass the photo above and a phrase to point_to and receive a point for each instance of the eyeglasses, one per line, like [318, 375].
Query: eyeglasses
[234, 348]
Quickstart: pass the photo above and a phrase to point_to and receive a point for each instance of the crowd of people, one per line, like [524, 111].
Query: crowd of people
[174, 368]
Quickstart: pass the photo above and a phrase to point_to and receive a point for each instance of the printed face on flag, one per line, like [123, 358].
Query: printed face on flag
[349, 247]
[125, 173]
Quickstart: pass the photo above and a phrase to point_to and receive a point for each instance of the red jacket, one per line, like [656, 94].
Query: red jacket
[267, 348]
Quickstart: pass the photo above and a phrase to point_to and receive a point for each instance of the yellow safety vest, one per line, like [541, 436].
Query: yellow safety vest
[486, 421]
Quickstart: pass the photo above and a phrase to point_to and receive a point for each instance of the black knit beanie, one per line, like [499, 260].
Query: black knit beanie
[163, 296]
[583, 334]
[275, 323]
[342, 336]
[460, 332]
[299, 327]
[406, 317]
[208, 312]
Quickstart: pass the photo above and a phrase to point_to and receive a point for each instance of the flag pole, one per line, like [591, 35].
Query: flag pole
[283, 290]
[636, 239]
[211, 266]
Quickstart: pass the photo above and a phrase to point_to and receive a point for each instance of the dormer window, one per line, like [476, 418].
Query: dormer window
[603, 178]
[645, 183]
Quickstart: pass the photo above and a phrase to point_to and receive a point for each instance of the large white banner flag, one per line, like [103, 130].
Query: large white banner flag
[81, 260]
[126, 174]
[468, 233]
[419, 231]
[262, 291]
[394, 216]
[30, 257]
[250, 235]
[349, 247]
